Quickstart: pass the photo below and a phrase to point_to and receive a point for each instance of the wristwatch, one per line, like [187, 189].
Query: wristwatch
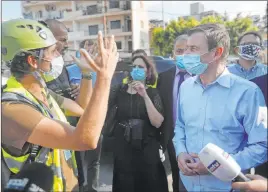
[87, 76]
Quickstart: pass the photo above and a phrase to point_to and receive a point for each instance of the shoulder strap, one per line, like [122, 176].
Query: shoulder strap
[18, 98]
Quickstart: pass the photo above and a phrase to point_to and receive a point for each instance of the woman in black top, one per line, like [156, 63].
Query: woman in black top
[137, 164]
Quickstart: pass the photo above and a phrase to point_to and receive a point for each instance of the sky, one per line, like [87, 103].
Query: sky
[172, 9]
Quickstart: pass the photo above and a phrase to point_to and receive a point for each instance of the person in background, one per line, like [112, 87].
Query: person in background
[168, 86]
[249, 65]
[257, 184]
[60, 84]
[88, 45]
[91, 158]
[138, 116]
[33, 126]
[262, 83]
[216, 107]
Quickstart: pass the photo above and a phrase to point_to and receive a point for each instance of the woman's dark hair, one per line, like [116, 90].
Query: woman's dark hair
[139, 51]
[151, 70]
[82, 44]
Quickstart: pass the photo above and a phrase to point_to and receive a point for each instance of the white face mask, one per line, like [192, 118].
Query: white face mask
[56, 67]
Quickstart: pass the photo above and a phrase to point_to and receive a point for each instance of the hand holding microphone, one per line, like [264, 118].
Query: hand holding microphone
[34, 177]
[257, 184]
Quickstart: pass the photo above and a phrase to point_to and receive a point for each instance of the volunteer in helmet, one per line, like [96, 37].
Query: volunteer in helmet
[30, 115]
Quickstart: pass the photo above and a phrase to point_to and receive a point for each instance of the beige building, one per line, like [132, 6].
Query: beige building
[126, 20]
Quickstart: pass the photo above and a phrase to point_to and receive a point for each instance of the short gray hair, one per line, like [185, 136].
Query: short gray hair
[180, 38]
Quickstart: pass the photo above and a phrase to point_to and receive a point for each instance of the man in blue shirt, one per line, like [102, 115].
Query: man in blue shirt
[249, 65]
[216, 107]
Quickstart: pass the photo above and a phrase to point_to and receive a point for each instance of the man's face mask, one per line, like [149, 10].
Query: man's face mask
[249, 51]
[193, 64]
[56, 68]
[179, 62]
[138, 74]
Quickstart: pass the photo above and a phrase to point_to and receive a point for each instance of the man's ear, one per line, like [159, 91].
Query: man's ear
[32, 61]
[219, 52]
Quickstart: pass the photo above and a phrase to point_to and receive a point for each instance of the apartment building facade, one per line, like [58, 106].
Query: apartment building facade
[126, 20]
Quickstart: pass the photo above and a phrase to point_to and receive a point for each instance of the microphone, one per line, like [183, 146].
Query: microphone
[34, 177]
[221, 164]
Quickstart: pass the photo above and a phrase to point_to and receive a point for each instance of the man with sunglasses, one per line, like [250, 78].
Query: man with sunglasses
[249, 65]
[168, 85]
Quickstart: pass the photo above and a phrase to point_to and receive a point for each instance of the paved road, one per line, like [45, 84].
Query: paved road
[106, 168]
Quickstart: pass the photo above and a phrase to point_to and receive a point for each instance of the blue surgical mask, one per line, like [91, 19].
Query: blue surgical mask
[193, 64]
[179, 62]
[138, 74]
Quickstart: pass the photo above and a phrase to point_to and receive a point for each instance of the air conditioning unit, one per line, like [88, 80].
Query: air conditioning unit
[127, 17]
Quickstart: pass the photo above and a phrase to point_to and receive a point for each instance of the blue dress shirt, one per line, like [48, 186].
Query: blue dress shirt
[94, 78]
[256, 71]
[230, 113]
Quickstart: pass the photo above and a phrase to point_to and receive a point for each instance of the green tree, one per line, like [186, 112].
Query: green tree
[158, 40]
[237, 27]
[163, 40]
[212, 19]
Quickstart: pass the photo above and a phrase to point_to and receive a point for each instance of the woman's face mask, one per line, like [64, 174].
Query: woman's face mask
[56, 68]
[249, 51]
[138, 74]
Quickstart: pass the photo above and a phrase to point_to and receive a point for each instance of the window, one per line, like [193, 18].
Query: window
[113, 4]
[142, 24]
[93, 29]
[91, 10]
[39, 15]
[119, 44]
[116, 24]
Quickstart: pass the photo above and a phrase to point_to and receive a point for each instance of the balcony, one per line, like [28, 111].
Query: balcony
[70, 15]
[34, 3]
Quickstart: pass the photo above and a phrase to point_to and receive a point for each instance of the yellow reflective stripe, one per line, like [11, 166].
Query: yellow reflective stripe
[14, 164]
[20, 159]
[14, 170]
[47, 78]
[58, 184]
[125, 81]
[74, 164]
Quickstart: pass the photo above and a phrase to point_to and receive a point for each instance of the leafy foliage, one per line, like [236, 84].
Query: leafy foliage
[163, 40]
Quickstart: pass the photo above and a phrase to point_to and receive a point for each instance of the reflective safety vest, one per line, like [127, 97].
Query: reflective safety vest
[51, 157]
[125, 81]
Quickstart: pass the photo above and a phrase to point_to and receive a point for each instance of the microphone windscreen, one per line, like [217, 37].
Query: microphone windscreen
[32, 177]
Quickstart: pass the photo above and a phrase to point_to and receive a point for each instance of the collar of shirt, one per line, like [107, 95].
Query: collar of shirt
[224, 79]
[178, 70]
[253, 68]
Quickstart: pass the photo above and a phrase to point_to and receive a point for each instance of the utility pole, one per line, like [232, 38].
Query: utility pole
[104, 18]
[163, 15]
